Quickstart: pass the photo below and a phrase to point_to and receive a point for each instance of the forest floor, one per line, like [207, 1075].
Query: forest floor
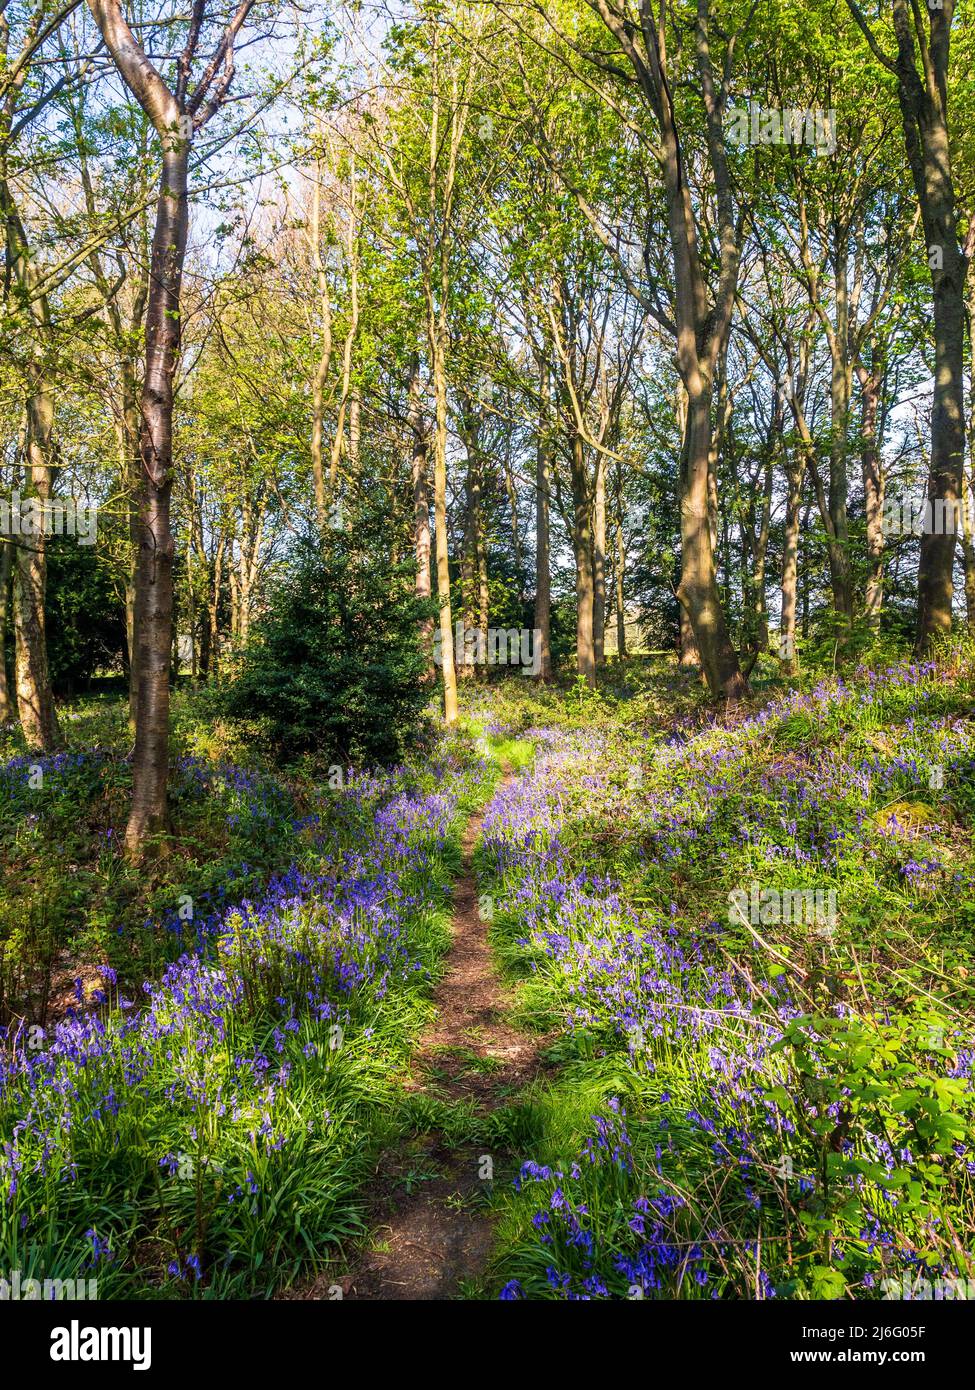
[431, 1231]
[603, 994]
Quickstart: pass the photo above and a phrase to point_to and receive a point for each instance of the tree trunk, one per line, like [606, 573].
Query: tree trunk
[324, 355]
[35, 701]
[620, 571]
[702, 325]
[924, 107]
[6, 558]
[512, 492]
[347, 393]
[206, 642]
[757, 620]
[474, 584]
[131, 480]
[154, 590]
[248, 564]
[355, 428]
[968, 539]
[698, 590]
[689, 658]
[543, 486]
[420, 475]
[483, 587]
[441, 539]
[582, 549]
[599, 563]
[790, 567]
[839, 390]
[213, 606]
[934, 581]
[873, 491]
[469, 574]
[191, 612]
[968, 551]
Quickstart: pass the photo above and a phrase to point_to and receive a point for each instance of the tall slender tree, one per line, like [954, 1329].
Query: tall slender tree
[177, 113]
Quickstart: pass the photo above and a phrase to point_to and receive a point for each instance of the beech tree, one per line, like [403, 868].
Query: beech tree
[920, 65]
[177, 112]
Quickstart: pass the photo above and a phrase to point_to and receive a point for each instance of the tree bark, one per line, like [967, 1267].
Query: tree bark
[790, 566]
[175, 116]
[599, 563]
[131, 476]
[35, 701]
[6, 558]
[688, 656]
[698, 589]
[125, 333]
[968, 539]
[924, 106]
[968, 551]
[583, 551]
[620, 570]
[469, 574]
[441, 539]
[213, 606]
[700, 326]
[543, 486]
[323, 364]
[755, 543]
[923, 98]
[481, 558]
[871, 381]
[346, 392]
[420, 476]
[840, 379]
[154, 584]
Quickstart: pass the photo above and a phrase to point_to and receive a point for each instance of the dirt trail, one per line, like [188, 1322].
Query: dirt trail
[472, 1006]
[429, 1228]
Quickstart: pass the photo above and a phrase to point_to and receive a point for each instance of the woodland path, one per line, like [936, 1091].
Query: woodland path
[430, 1233]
